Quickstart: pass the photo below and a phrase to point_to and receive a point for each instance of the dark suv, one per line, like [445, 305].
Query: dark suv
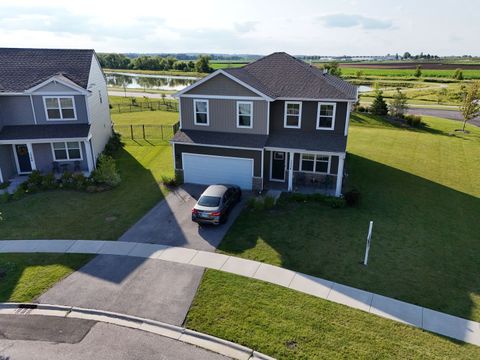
[215, 203]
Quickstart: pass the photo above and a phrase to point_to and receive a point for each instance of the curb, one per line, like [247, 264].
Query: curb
[201, 340]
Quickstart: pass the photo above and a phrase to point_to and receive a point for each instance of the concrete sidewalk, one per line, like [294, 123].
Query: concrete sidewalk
[427, 319]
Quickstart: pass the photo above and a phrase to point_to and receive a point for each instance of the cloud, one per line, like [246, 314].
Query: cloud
[354, 20]
[246, 26]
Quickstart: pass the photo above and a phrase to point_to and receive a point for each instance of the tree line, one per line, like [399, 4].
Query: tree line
[154, 62]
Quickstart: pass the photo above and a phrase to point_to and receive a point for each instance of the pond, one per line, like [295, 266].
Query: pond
[364, 88]
[147, 81]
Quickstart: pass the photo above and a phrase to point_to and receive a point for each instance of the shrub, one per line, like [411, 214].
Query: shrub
[4, 185]
[106, 171]
[79, 181]
[48, 182]
[352, 197]
[361, 109]
[379, 106]
[18, 194]
[170, 181]
[413, 120]
[458, 75]
[335, 202]
[66, 180]
[114, 144]
[268, 202]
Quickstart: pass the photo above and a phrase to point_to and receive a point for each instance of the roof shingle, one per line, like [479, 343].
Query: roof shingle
[280, 75]
[21, 69]
[36, 132]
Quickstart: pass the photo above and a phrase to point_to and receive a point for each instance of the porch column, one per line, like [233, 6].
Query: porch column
[88, 154]
[338, 189]
[31, 156]
[290, 172]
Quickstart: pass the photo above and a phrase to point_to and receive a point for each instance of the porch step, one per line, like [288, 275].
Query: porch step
[275, 194]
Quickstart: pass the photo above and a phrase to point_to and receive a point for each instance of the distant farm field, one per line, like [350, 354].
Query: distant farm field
[352, 71]
[226, 64]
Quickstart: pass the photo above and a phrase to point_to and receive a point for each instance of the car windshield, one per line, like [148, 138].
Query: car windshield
[209, 201]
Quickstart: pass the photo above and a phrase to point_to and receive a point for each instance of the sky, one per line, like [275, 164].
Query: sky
[300, 27]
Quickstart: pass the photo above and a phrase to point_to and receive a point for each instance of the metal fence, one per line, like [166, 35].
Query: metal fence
[147, 131]
[167, 105]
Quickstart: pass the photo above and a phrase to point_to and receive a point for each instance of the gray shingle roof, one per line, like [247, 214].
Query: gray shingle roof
[219, 138]
[57, 131]
[21, 69]
[310, 141]
[280, 75]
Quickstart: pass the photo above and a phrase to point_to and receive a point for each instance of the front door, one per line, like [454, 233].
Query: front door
[278, 166]
[23, 157]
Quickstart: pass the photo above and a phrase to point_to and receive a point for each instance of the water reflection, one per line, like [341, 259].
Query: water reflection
[145, 81]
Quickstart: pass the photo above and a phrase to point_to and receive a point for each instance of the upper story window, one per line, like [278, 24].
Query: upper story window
[245, 114]
[293, 115]
[201, 112]
[326, 116]
[60, 108]
[315, 163]
[65, 151]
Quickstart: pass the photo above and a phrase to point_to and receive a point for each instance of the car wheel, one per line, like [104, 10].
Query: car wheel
[224, 219]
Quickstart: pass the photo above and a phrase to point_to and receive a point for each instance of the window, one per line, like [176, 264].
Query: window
[201, 112]
[60, 108]
[293, 115]
[65, 151]
[315, 163]
[326, 116]
[244, 114]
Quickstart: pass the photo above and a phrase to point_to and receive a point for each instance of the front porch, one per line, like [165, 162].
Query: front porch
[304, 172]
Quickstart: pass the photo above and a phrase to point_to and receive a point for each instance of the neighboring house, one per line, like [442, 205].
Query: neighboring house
[274, 123]
[54, 112]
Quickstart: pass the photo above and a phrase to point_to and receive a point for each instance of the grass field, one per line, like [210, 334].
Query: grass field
[420, 189]
[291, 325]
[225, 65]
[156, 117]
[468, 74]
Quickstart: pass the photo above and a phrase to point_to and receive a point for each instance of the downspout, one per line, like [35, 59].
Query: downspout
[33, 110]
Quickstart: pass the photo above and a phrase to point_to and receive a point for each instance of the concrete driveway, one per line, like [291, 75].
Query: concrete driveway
[170, 223]
[47, 338]
[152, 289]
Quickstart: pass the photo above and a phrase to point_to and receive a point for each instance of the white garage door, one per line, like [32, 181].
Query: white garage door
[208, 170]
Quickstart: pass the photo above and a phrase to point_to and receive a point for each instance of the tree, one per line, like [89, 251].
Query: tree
[470, 107]
[458, 74]
[332, 68]
[379, 106]
[359, 74]
[418, 71]
[398, 105]
[203, 64]
[407, 55]
[441, 95]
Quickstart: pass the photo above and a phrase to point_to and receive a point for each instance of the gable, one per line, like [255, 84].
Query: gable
[56, 87]
[221, 85]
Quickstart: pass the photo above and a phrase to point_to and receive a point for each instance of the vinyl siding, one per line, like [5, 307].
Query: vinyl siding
[101, 123]
[223, 116]
[7, 162]
[80, 109]
[16, 110]
[44, 158]
[309, 117]
[221, 85]
[249, 154]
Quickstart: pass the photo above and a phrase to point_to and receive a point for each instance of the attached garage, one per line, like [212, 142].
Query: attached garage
[211, 169]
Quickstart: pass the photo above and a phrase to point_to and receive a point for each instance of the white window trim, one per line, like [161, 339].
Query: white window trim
[315, 163]
[251, 114]
[66, 149]
[333, 117]
[299, 115]
[195, 112]
[60, 108]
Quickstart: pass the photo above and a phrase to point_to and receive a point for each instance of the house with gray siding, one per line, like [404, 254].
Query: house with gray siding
[54, 112]
[277, 122]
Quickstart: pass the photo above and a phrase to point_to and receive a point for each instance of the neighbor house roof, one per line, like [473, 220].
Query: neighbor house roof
[201, 137]
[21, 69]
[281, 75]
[58, 131]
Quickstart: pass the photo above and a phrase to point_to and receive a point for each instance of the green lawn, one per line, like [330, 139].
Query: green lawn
[105, 216]
[156, 117]
[420, 188]
[23, 277]
[291, 325]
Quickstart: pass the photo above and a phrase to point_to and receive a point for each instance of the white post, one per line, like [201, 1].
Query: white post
[369, 238]
[31, 156]
[88, 154]
[1, 176]
[338, 188]
[290, 172]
